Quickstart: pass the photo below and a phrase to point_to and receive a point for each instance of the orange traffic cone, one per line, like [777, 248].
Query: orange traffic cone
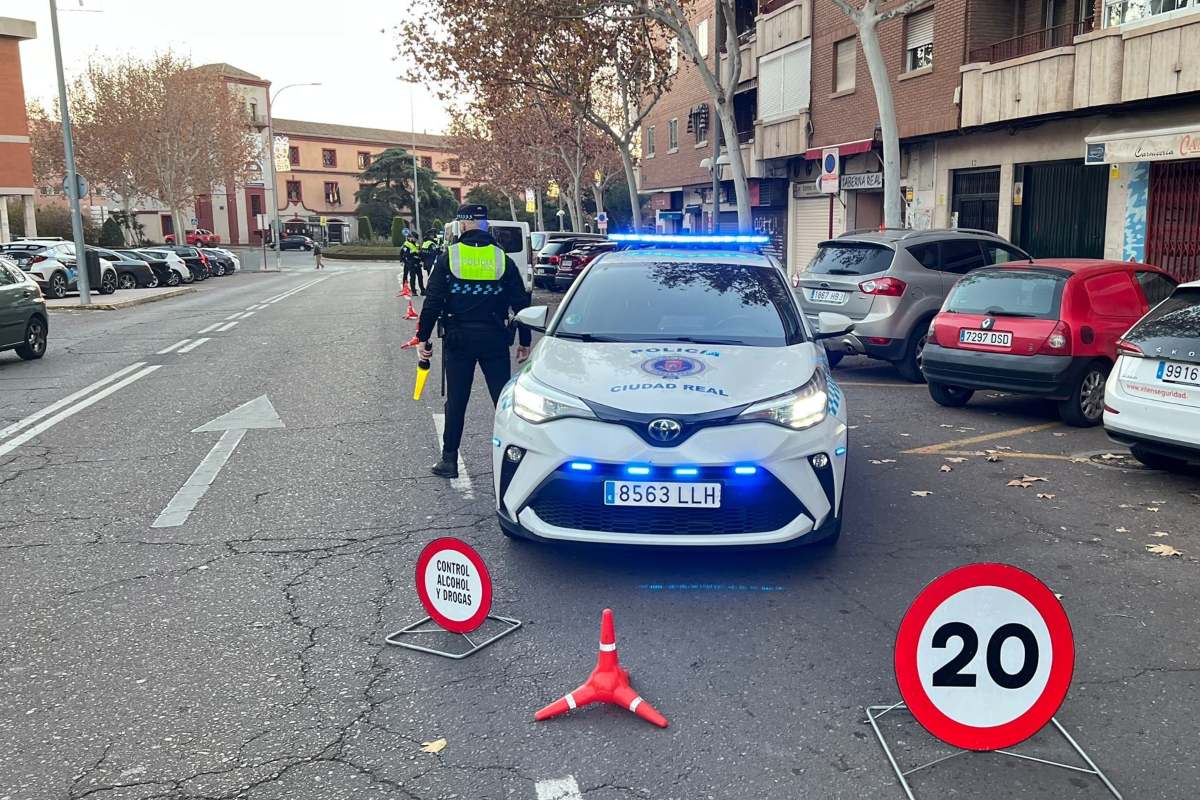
[608, 683]
[412, 312]
[404, 290]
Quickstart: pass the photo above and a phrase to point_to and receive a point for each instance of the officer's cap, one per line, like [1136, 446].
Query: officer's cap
[472, 211]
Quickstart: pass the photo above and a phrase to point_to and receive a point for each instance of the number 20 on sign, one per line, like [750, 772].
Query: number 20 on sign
[984, 656]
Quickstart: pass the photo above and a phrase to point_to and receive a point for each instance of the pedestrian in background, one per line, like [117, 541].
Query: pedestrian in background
[317, 255]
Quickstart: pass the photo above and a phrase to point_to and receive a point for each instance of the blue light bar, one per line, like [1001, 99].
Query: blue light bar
[581, 466]
[495, 442]
[841, 451]
[745, 470]
[699, 238]
[687, 472]
[638, 470]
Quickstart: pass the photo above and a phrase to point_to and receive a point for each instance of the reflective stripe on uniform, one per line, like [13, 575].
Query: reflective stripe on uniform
[471, 263]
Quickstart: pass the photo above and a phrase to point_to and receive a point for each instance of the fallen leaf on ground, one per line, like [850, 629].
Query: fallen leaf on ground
[1059, 434]
[1044, 496]
[1080, 460]
[906, 434]
[1109, 456]
[945, 468]
[1016, 482]
[1033, 479]
[888, 461]
[944, 425]
[1153, 509]
[1122, 530]
[1160, 534]
[1159, 502]
[921, 493]
[1125, 505]
[1162, 550]
[436, 746]
[993, 458]
[956, 460]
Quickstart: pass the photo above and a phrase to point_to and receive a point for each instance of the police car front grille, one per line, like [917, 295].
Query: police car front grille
[754, 505]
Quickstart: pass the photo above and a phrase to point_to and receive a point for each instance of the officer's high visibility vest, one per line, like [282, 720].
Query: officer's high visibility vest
[410, 247]
[471, 263]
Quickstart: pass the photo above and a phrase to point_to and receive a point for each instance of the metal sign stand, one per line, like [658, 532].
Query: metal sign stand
[874, 713]
[475, 646]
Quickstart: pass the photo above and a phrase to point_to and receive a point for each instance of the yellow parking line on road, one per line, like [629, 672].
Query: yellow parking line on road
[987, 437]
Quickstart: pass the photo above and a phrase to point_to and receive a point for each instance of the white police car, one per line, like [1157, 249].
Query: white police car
[677, 398]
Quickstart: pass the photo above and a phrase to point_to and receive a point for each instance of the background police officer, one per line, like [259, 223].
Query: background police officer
[413, 275]
[471, 289]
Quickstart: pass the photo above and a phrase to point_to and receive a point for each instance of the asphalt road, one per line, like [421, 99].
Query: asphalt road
[241, 653]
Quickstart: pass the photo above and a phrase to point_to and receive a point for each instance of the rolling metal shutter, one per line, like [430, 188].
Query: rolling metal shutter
[1173, 218]
[810, 227]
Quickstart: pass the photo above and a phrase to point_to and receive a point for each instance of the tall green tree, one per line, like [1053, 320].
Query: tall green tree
[389, 182]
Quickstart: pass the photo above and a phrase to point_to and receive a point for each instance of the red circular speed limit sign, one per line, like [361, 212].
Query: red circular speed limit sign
[984, 656]
[454, 585]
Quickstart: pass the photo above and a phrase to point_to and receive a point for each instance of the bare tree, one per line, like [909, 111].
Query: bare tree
[867, 19]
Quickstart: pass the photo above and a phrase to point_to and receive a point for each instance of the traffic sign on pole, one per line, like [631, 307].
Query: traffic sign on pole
[984, 656]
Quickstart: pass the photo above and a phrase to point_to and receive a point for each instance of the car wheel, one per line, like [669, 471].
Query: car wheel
[910, 365]
[127, 281]
[1158, 461]
[108, 283]
[1085, 407]
[58, 286]
[34, 346]
[835, 357]
[152, 283]
[173, 278]
[949, 396]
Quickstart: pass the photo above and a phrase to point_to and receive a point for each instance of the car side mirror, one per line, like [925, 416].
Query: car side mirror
[533, 317]
[830, 325]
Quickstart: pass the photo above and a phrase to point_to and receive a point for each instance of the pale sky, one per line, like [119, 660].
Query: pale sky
[347, 45]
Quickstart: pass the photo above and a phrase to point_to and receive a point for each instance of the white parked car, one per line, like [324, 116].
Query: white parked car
[51, 262]
[1152, 400]
[677, 398]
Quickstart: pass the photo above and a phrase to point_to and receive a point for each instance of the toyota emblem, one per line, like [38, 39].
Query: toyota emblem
[987, 323]
[664, 430]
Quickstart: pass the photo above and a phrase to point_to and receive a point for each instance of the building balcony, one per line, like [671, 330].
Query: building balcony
[782, 138]
[1059, 69]
[748, 50]
[780, 24]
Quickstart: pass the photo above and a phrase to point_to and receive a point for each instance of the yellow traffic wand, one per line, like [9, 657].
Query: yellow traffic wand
[422, 375]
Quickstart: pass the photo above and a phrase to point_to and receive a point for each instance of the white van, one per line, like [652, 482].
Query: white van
[513, 238]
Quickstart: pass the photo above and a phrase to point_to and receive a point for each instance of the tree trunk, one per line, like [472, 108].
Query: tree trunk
[180, 228]
[512, 207]
[130, 231]
[732, 147]
[635, 203]
[540, 222]
[868, 35]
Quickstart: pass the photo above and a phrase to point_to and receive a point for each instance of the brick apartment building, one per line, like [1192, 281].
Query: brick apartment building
[16, 163]
[1070, 126]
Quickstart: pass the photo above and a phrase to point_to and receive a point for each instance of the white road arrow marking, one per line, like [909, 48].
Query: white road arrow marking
[256, 414]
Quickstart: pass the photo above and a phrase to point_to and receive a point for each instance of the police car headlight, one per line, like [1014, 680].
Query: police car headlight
[797, 410]
[534, 401]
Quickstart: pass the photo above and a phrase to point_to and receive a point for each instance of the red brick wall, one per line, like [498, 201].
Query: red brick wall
[16, 165]
[924, 103]
[668, 170]
[989, 22]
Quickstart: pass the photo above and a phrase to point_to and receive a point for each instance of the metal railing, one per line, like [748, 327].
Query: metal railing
[1033, 42]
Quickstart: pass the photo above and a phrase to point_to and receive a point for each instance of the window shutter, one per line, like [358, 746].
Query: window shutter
[702, 38]
[795, 78]
[920, 30]
[770, 88]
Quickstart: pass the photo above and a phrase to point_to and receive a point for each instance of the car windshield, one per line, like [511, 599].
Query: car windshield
[679, 301]
[1008, 292]
[558, 247]
[1172, 325]
[851, 258]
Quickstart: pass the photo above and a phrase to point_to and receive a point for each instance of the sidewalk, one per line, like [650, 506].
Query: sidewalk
[124, 298]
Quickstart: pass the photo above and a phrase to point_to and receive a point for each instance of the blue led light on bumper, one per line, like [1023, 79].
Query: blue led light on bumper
[581, 466]
[841, 451]
[686, 472]
[635, 470]
[745, 470]
[696, 239]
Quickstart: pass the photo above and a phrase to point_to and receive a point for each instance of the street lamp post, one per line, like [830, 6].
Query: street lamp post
[85, 294]
[271, 161]
[412, 124]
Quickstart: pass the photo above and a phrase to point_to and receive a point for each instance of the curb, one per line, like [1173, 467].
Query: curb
[137, 301]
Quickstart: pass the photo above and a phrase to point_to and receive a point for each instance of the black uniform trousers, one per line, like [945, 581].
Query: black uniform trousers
[413, 274]
[486, 346]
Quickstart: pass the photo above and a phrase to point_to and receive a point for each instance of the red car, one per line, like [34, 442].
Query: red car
[197, 238]
[572, 263]
[1047, 328]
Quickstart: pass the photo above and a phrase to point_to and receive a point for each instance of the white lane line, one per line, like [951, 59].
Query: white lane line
[255, 307]
[210, 328]
[463, 482]
[283, 294]
[297, 290]
[226, 326]
[185, 500]
[558, 789]
[175, 346]
[232, 316]
[247, 315]
[189, 348]
[70, 411]
[66, 401]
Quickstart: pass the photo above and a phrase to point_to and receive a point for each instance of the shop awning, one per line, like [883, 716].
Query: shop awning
[844, 149]
[1161, 136]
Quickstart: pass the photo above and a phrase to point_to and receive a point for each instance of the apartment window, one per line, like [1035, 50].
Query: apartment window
[844, 65]
[333, 193]
[673, 136]
[453, 166]
[1118, 12]
[650, 142]
[918, 40]
[698, 123]
[364, 160]
[783, 82]
[457, 192]
[329, 158]
[673, 56]
[427, 162]
[294, 156]
[293, 191]
[256, 204]
[702, 37]
[253, 110]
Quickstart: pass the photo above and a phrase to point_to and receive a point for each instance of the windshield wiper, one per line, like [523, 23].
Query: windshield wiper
[586, 337]
[836, 271]
[999, 312]
[695, 340]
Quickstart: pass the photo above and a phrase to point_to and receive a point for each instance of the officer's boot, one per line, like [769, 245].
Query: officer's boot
[448, 466]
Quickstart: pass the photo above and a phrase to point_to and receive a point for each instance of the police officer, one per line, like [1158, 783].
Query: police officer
[471, 289]
[429, 252]
[413, 275]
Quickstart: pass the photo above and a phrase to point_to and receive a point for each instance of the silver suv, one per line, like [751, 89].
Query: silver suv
[891, 283]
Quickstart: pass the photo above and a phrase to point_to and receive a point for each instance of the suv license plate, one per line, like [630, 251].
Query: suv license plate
[990, 338]
[1174, 372]
[662, 495]
[826, 296]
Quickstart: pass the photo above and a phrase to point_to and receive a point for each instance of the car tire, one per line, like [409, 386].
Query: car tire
[835, 357]
[1085, 407]
[1158, 461]
[910, 365]
[152, 283]
[34, 345]
[220, 273]
[173, 279]
[949, 396]
[108, 283]
[127, 280]
[57, 286]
